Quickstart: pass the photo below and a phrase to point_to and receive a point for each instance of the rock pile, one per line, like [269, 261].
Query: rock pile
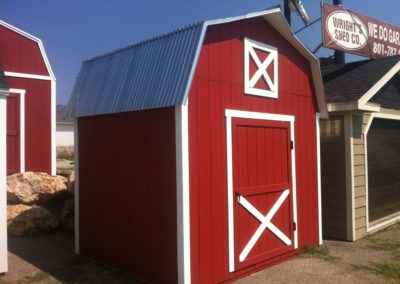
[38, 202]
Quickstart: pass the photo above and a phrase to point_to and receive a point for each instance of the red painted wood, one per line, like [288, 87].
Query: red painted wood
[262, 172]
[37, 122]
[13, 134]
[127, 185]
[20, 54]
[218, 85]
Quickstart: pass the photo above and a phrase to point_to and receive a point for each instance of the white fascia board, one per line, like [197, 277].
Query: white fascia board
[35, 39]
[27, 76]
[276, 19]
[3, 186]
[379, 85]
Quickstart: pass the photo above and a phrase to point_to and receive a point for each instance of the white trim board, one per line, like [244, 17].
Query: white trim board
[3, 186]
[385, 222]
[182, 193]
[21, 93]
[229, 114]
[379, 85]
[317, 132]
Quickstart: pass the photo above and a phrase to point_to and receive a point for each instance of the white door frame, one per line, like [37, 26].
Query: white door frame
[3, 185]
[21, 93]
[396, 216]
[229, 114]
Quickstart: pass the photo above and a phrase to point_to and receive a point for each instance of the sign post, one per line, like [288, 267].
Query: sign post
[351, 32]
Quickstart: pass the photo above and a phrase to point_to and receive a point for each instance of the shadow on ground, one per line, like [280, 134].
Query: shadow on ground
[50, 259]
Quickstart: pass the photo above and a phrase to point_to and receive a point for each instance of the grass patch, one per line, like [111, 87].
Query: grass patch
[321, 252]
[37, 277]
[392, 246]
[390, 270]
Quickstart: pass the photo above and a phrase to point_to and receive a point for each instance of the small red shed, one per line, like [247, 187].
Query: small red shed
[31, 101]
[198, 151]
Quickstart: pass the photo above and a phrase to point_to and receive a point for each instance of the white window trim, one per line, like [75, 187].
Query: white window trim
[229, 114]
[250, 89]
[3, 185]
[378, 225]
[182, 194]
[22, 133]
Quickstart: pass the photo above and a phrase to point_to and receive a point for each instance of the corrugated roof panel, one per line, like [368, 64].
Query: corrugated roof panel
[147, 75]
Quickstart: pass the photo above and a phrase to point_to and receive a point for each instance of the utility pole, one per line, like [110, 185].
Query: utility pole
[340, 56]
[286, 8]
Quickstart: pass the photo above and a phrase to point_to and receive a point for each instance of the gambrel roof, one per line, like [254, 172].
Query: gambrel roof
[158, 72]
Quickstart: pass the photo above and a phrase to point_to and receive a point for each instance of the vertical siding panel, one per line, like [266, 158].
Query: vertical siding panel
[219, 85]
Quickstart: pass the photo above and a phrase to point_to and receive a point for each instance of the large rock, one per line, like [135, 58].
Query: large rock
[24, 220]
[34, 188]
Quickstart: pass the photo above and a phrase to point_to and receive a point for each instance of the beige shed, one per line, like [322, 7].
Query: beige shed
[360, 148]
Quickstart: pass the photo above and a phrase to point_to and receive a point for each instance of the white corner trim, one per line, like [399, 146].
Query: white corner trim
[27, 76]
[183, 193]
[229, 114]
[22, 129]
[76, 188]
[261, 74]
[350, 205]
[371, 228]
[35, 39]
[3, 186]
[317, 131]
[379, 85]
[53, 128]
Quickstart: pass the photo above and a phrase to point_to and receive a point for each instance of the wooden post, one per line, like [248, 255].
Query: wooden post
[340, 56]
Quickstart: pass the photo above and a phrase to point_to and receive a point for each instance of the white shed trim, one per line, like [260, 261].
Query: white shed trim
[182, 193]
[3, 185]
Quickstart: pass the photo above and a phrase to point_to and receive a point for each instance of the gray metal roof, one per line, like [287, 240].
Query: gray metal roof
[150, 74]
[158, 72]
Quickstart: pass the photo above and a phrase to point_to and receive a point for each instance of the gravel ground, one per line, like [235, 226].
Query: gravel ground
[50, 260]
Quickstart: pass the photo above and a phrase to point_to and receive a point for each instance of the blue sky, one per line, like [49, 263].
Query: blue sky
[75, 30]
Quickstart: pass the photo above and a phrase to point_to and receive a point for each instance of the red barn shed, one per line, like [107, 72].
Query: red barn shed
[31, 101]
[197, 151]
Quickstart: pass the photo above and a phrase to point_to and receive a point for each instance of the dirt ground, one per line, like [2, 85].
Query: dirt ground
[376, 259]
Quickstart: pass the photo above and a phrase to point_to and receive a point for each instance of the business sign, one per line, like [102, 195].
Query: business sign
[352, 32]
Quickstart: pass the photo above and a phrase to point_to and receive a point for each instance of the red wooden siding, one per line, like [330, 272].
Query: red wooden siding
[13, 134]
[20, 54]
[218, 85]
[37, 122]
[128, 192]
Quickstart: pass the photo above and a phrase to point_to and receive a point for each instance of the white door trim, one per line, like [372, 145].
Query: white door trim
[3, 185]
[229, 114]
[22, 134]
[396, 217]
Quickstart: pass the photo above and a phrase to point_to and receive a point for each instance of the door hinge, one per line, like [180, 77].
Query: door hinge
[291, 145]
[294, 226]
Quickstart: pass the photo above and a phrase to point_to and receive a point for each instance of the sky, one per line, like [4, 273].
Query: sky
[75, 30]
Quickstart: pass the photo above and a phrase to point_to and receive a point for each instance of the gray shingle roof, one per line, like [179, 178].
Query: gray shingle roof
[348, 82]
